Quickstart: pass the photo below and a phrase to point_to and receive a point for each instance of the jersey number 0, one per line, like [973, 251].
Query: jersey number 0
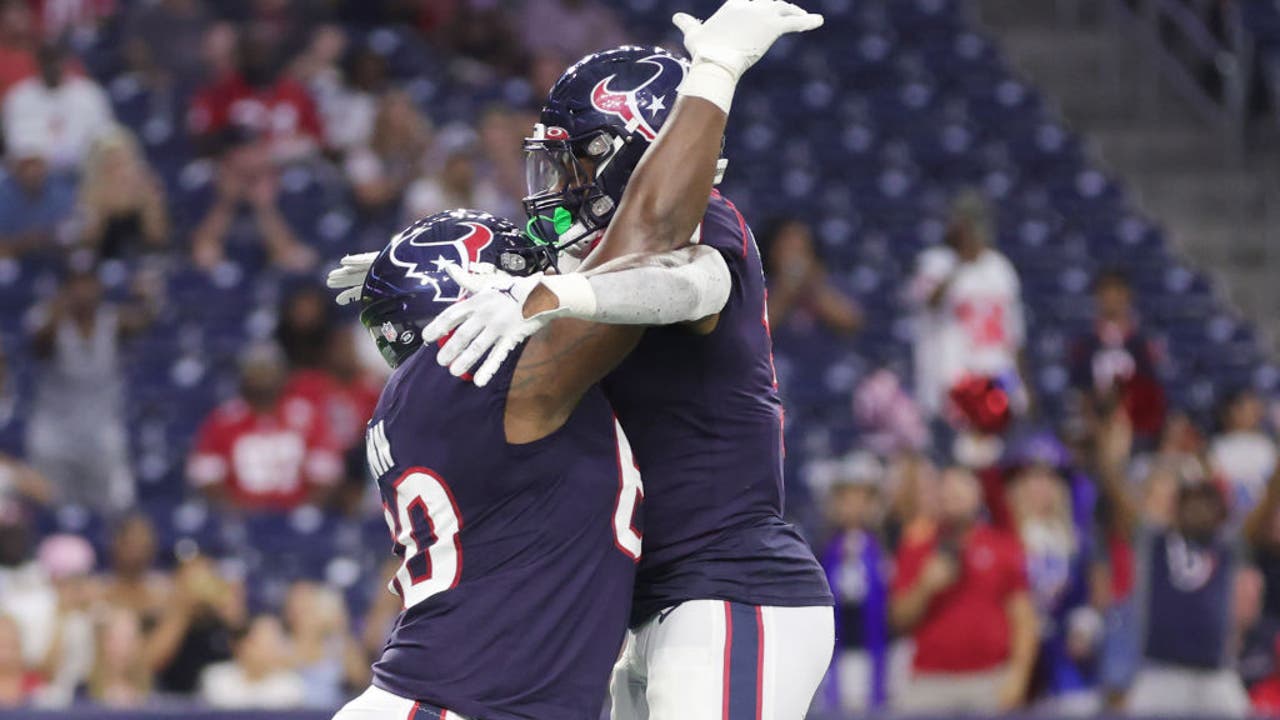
[426, 524]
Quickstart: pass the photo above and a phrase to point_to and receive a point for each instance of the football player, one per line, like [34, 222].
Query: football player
[529, 478]
[732, 616]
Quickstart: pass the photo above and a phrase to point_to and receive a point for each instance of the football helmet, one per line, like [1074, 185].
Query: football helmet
[407, 285]
[598, 121]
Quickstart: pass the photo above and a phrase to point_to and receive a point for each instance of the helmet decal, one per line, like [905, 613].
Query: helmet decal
[625, 105]
[464, 251]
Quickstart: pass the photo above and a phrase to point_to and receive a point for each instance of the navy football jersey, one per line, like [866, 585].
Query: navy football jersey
[519, 560]
[705, 420]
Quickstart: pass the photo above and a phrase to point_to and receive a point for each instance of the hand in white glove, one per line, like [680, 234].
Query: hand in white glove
[490, 320]
[348, 277]
[732, 40]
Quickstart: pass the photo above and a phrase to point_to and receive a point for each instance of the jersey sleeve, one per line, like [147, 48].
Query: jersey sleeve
[210, 460]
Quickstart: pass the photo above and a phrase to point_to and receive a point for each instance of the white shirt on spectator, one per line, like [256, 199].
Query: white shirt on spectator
[73, 114]
[27, 596]
[224, 685]
[1247, 460]
[427, 196]
[977, 328]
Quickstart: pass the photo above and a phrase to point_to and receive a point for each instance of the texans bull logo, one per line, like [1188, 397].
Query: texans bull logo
[464, 252]
[625, 104]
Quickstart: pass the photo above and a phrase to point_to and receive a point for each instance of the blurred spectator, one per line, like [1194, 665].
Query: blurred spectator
[346, 93]
[858, 570]
[122, 204]
[800, 293]
[581, 27]
[36, 203]
[164, 41]
[258, 676]
[17, 44]
[261, 450]
[1058, 561]
[962, 593]
[76, 434]
[72, 109]
[457, 185]
[120, 678]
[1262, 539]
[544, 70]
[339, 391]
[133, 582]
[889, 420]
[1115, 363]
[255, 96]
[68, 561]
[1243, 453]
[245, 216]
[306, 323]
[17, 682]
[325, 656]
[26, 591]
[383, 165]
[196, 628]
[970, 318]
[1188, 575]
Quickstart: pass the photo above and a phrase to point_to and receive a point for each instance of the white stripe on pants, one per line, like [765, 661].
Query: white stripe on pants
[378, 704]
[675, 667]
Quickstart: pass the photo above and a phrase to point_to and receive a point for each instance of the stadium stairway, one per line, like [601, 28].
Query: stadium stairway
[1221, 206]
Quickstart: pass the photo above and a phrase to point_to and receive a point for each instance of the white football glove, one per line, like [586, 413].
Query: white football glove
[729, 42]
[348, 277]
[490, 320]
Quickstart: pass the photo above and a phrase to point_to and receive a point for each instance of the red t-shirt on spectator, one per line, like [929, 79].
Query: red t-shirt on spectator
[265, 460]
[344, 407]
[281, 112]
[966, 627]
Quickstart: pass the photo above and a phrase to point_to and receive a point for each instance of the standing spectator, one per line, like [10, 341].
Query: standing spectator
[962, 592]
[325, 655]
[1262, 539]
[1058, 561]
[163, 41]
[970, 318]
[1243, 452]
[582, 27]
[18, 683]
[857, 569]
[347, 93]
[340, 392]
[500, 129]
[456, 185]
[1187, 578]
[25, 589]
[76, 435]
[68, 561]
[122, 204]
[196, 628]
[244, 218]
[800, 293]
[119, 678]
[258, 676]
[481, 33]
[1115, 363]
[257, 97]
[72, 109]
[133, 581]
[381, 167]
[36, 205]
[262, 451]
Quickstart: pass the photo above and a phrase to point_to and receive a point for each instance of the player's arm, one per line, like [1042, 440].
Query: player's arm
[662, 206]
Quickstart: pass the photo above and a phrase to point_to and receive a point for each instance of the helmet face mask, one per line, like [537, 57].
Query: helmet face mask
[598, 121]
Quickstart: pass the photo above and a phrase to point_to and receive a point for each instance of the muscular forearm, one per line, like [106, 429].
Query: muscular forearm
[906, 609]
[649, 289]
[667, 195]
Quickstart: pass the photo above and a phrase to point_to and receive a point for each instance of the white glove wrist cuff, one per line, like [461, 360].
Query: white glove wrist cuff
[577, 297]
[710, 81]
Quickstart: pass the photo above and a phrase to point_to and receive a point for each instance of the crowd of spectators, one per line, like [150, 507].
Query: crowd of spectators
[984, 556]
